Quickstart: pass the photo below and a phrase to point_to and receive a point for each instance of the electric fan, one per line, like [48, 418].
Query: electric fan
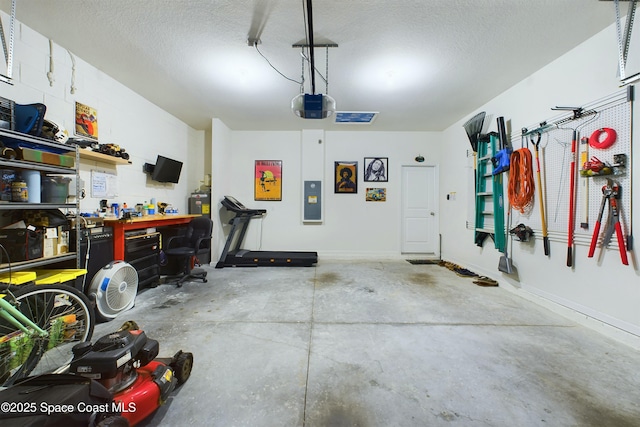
[114, 289]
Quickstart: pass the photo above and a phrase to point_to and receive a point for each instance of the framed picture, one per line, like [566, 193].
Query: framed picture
[376, 195]
[376, 169]
[346, 177]
[86, 121]
[268, 180]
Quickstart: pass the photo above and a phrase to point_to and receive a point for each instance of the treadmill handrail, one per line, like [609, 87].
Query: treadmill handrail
[239, 209]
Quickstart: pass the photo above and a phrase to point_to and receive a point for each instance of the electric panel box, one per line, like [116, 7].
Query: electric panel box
[312, 201]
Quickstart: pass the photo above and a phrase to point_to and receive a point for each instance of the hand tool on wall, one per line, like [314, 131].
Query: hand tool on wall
[584, 156]
[545, 236]
[504, 264]
[610, 193]
[572, 197]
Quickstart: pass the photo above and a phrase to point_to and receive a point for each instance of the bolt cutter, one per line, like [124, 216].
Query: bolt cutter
[610, 193]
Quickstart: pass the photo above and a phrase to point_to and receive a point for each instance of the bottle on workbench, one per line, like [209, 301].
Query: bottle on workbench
[152, 207]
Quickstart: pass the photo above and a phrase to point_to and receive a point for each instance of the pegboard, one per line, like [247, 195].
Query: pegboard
[555, 153]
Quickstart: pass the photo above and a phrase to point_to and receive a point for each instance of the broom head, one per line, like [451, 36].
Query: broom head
[473, 126]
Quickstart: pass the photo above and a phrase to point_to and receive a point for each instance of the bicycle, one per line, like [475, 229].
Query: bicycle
[39, 325]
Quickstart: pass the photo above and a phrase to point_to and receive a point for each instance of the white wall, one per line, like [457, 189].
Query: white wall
[124, 118]
[609, 292]
[351, 226]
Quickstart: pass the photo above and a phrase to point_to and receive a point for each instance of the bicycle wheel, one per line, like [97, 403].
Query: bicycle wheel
[64, 312]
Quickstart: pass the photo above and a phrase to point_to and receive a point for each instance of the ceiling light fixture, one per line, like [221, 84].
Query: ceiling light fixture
[313, 106]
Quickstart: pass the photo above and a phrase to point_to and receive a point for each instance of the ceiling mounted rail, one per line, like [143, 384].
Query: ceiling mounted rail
[8, 49]
[624, 40]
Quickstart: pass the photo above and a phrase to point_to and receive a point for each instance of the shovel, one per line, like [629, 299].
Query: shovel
[504, 264]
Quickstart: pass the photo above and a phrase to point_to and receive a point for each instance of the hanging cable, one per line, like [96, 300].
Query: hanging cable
[521, 186]
[302, 70]
[50, 75]
[269, 62]
[306, 58]
[72, 89]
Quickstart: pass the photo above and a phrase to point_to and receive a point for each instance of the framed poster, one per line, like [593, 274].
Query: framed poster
[268, 180]
[376, 169]
[346, 177]
[376, 195]
[86, 121]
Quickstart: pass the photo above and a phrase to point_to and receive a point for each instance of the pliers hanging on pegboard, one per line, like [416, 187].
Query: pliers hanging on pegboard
[610, 193]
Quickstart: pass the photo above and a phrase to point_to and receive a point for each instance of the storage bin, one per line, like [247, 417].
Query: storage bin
[21, 244]
[55, 189]
[55, 276]
[18, 277]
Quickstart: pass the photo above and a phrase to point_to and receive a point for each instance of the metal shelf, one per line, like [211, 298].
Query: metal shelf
[24, 164]
[35, 206]
[39, 262]
[34, 139]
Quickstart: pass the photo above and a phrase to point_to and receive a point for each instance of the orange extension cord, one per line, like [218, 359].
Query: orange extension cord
[521, 186]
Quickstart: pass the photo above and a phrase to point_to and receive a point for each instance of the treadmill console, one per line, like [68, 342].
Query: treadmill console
[235, 206]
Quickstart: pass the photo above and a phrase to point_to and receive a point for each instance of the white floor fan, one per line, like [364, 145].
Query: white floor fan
[114, 289]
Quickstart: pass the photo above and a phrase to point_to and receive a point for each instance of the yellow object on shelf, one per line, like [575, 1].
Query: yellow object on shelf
[50, 277]
[18, 277]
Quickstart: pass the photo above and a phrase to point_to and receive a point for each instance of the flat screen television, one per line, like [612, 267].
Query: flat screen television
[166, 170]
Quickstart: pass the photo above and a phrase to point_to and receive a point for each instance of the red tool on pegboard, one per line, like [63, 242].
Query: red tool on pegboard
[610, 193]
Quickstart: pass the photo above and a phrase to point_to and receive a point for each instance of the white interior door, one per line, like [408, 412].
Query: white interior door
[420, 232]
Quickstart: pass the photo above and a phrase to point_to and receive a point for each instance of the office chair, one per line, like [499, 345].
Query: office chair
[184, 248]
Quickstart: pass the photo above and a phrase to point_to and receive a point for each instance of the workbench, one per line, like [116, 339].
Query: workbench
[120, 226]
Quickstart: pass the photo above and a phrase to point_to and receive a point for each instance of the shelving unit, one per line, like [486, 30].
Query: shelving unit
[46, 169]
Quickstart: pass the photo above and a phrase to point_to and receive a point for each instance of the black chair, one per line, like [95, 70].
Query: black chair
[184, 248]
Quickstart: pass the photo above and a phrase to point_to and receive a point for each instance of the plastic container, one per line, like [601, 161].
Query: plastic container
[19, 192]
[55, 189]
[54, 276]
[18, 277]
[34, 185]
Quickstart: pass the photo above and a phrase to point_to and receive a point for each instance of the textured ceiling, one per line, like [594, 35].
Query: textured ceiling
[423, 64]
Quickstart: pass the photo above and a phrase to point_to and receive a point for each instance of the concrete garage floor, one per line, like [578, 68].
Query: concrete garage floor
[379, 343]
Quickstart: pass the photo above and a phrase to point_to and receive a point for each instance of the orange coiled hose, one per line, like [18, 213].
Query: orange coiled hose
[521, 187]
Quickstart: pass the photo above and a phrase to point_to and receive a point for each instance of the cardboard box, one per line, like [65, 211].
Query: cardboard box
[63, 239]
[50, 246]
[32, 155]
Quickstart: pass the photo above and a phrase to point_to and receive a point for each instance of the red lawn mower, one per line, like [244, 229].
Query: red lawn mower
[125, 363]
[116, 382]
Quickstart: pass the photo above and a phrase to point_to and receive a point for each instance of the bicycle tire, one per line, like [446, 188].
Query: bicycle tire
[63, 311]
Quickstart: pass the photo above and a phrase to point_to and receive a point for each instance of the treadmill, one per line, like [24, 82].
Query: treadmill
[234, 256]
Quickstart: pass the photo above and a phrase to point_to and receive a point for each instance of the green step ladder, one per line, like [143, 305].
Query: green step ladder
[489, 194]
